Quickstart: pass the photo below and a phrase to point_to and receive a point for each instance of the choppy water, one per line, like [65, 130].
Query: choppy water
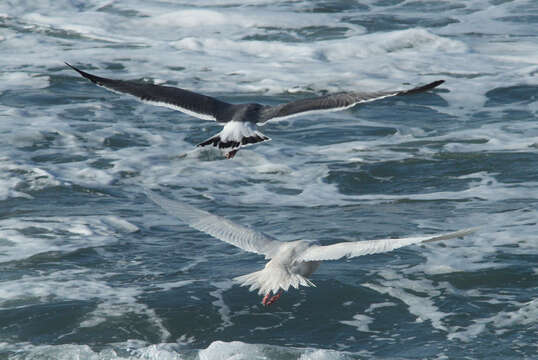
[91, 269]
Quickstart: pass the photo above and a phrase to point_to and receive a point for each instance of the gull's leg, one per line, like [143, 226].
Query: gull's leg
[231, 154]
[269, 300]
[275, 298]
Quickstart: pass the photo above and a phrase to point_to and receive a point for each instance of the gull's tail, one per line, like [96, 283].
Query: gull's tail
[272, 279]
[234, 135]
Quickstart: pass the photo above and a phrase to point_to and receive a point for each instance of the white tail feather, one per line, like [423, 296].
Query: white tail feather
[272, 279]
[235, 135]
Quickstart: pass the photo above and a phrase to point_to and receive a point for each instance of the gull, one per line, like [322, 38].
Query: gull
[240, 120]
[290, 263]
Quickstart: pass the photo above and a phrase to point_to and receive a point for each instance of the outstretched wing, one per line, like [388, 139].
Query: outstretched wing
[367, 247]
[334, 102]
[218, 227]
[188, 102]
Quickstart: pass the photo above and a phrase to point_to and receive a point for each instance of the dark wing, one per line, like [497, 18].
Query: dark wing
[188, 102]
[334, 102]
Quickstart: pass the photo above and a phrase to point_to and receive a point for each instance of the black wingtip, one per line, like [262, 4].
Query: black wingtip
[430, 85]
[423, 88]
[92, 78]
[436, 83]
[72, 67]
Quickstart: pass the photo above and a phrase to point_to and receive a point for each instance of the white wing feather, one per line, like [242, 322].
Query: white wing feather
[218, 227]
[367, 247]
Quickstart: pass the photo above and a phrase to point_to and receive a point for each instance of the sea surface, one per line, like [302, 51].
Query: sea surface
[90, 268]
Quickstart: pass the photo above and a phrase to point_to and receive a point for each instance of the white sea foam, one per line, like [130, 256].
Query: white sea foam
[173, 285]
[240, 350]
[373, 307]
[438, 52]
[223, 309]
[134, 350]
[357, 52]
[83, 285]
[22, 80]
[515, 232]
[92, 28]
[360, 321]
[218, 20]
[523, 314]
[405, 290]
[25, 237]
[261, 164]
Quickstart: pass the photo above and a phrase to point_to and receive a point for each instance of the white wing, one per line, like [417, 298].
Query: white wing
[359, 248]
[218, 227]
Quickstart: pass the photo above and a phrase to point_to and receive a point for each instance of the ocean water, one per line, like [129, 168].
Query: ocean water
[90, 268]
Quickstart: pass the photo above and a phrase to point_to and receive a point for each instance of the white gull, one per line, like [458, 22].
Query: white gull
[290, 263]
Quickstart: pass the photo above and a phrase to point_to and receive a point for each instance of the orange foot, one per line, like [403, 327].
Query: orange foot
[231, 154]
[269, 300]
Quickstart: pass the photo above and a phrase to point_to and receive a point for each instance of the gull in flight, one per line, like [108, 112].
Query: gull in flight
[240, 120]
[290, 263]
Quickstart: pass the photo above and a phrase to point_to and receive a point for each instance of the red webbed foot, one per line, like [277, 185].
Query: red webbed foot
[269, 300]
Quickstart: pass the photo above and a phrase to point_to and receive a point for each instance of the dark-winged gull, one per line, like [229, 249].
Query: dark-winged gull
[240, 120]
[290, 263]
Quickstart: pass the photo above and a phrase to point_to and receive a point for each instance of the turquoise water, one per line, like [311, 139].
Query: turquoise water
[92, 269]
